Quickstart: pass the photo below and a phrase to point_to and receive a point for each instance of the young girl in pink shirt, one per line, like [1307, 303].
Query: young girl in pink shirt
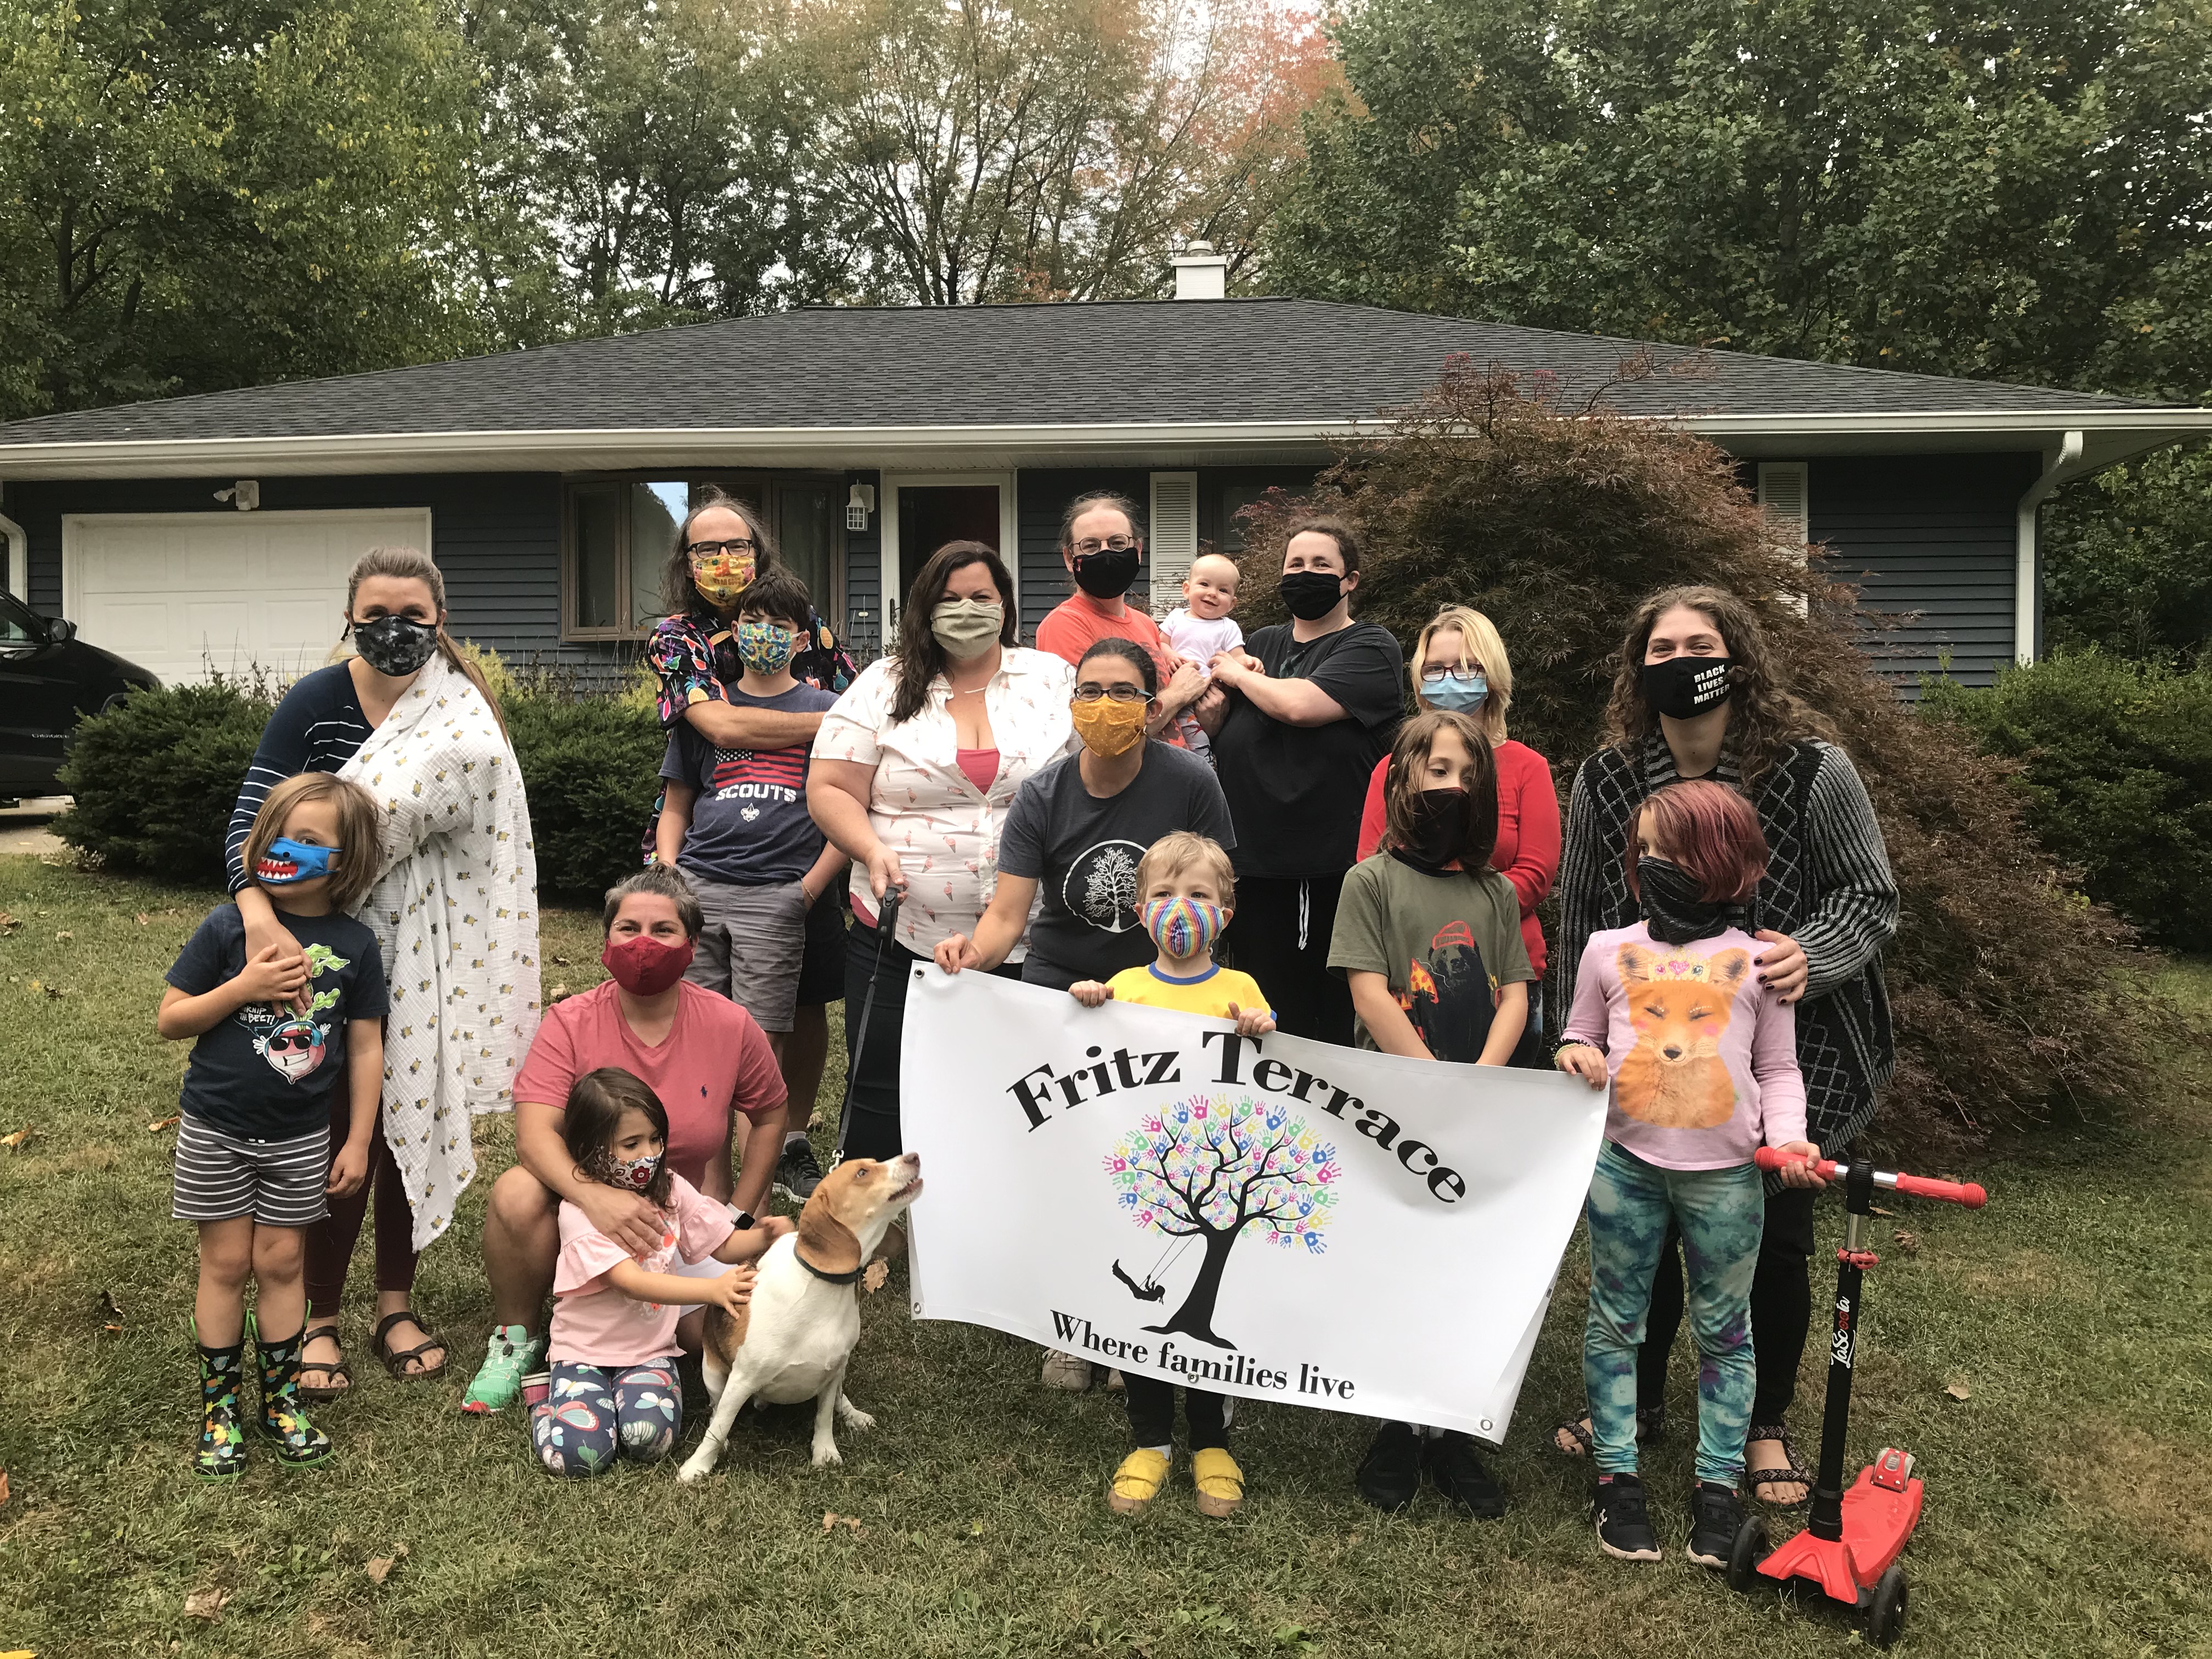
[1703, 1065]
[614, 1391]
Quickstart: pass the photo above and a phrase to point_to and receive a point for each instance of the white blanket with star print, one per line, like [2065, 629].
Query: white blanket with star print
[455, 912]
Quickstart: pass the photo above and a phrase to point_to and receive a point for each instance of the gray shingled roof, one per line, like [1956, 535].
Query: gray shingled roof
[1024, 365]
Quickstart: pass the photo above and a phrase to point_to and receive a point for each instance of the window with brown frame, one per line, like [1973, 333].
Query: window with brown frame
[619, 532]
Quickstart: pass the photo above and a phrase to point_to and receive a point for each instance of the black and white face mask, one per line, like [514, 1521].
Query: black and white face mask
[396, 645]
[1683, 687]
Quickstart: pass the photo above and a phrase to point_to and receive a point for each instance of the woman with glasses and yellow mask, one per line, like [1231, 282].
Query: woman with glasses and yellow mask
[1075, 835]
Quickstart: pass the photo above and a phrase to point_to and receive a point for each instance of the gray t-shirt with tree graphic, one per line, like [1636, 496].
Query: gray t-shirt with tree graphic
[1083, 851]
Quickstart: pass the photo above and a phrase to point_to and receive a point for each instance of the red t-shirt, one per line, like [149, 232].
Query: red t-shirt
[1528, 850]
[1074, 625]
[714, 1063]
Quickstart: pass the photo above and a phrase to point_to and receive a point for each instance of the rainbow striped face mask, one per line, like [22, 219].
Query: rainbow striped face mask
[1182, 927]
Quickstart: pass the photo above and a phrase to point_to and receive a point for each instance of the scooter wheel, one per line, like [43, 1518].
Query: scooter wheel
[1885, 1619]
[1749, 1549]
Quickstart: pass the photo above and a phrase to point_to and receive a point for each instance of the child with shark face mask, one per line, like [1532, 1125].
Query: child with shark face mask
[278, 1033]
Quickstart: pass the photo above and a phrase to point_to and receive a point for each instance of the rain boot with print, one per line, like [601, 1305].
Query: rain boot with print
[222, 1454]
[283, 1418]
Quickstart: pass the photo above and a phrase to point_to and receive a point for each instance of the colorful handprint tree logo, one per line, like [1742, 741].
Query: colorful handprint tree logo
[1210, 1169]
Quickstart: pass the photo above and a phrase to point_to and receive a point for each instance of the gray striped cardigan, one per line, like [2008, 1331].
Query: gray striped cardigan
[1828, 886]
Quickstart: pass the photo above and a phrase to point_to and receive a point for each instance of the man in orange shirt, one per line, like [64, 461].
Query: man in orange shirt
[1100, 546]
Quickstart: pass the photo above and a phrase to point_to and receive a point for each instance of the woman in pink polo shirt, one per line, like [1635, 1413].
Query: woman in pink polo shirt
[701, 1055]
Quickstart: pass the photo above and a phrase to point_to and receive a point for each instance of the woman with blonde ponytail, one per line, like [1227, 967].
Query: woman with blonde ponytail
[412, 720]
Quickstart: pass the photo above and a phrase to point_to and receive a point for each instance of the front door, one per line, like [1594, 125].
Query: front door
[923, 515]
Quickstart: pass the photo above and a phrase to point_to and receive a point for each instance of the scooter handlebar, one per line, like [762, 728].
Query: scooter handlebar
[1968, 1194]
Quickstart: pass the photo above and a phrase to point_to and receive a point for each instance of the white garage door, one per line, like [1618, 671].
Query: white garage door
[179, 594]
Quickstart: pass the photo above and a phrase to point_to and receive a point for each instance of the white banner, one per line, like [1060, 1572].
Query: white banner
[1272, 1218]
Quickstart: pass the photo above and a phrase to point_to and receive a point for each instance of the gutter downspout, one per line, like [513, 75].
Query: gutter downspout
[2027, 587]
[17, 571]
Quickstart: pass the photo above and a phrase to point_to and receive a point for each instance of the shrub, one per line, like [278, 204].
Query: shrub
[592, 766]
[2115, 764]
[155, 777]
[2011, 993]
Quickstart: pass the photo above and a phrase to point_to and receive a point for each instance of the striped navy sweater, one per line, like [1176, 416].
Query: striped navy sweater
[318, 727]
[1827, 885]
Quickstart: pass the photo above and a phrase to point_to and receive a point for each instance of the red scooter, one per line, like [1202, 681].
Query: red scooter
[1850, 1546]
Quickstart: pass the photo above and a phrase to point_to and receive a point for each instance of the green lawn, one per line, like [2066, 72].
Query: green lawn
[2064, 1516]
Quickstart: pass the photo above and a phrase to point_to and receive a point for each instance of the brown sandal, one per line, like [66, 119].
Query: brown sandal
[397, 1363]
[1788, 1474]
[338, 1374]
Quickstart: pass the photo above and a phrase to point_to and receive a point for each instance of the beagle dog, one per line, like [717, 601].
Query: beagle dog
[794, 1340]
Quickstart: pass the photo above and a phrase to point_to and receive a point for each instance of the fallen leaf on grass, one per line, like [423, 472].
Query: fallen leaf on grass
[160, 1124]
[560, 962]
[142, 920]
[380, 1568]
[206, 1604]
[64, 934]
[3, 1485]
[20, 1653]
[559, 993]
[831, 1520]
[1907, 1244]
[1877, 1209]
[14, 1143]
[1958, 1389]
[7, 921]
[110, 1307]
[872, 1280]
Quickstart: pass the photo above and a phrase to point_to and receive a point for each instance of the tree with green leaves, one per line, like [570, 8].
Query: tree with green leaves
[196, 196]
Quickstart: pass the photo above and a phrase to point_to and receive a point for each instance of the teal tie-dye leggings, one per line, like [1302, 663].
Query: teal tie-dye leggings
[1720, 1214]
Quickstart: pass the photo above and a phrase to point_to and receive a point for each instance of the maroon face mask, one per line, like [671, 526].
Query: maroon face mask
[645, 966]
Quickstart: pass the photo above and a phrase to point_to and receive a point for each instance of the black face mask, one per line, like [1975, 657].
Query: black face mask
[1439, 826]
[1309, 595]
[395, 645]
[1673, 908]
[1106, 574]
[1683, 687]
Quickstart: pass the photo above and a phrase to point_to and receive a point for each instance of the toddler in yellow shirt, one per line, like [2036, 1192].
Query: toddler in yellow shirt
[1186, 890]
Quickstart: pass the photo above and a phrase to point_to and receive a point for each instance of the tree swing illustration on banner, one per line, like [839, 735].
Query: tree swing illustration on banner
[1208, 1168]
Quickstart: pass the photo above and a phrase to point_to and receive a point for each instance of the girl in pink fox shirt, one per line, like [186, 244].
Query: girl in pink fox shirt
[1703, 1064]
[614, 1391]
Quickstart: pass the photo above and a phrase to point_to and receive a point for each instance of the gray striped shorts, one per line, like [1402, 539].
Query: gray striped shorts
[223, 1176]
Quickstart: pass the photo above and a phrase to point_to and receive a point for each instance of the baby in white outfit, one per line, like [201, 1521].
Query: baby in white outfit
[1202, 627]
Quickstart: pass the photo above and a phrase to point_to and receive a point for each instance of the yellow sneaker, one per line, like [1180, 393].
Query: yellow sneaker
[1221, 1482]
[1138, 1481]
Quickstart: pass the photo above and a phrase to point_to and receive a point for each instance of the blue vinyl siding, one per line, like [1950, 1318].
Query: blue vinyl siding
[862, 623]
[1929, 543]
[1041, 498]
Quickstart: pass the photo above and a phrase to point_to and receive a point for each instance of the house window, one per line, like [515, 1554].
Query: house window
[622, 531]
[1234, 498]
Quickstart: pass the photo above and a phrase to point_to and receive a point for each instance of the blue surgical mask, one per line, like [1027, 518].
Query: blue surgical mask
[287, 861]
[1456, 693]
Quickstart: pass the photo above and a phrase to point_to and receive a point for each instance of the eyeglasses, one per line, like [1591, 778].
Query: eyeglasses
[1090, 692]
[1111, 544]
[1438, 676]
[709, 549]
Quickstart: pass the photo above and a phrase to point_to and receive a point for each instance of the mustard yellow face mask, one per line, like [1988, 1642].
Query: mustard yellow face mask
[1110, 728]
[722, 578]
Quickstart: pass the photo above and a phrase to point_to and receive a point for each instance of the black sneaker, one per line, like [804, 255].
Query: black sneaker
[1458, 1473]
[1390, 1474]
[797, 1174]
[1624, 1529]
[1715, 1515]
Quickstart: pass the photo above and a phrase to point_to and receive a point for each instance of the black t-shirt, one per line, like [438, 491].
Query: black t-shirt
[1297, 791]
[269, 1077]
[318, 727]
[1083, 853]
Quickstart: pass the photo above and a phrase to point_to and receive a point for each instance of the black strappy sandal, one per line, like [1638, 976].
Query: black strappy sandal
[1650, 1425]
[396, 1362]
[1791, 1473]
[338, 1373]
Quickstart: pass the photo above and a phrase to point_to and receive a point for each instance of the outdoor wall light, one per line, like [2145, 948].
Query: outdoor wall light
[246, 495]
[859, 504]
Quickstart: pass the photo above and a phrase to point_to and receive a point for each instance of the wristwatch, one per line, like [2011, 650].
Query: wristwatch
[744, 1219]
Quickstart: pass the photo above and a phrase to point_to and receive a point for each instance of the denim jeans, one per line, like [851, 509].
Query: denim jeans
[1720, 1214]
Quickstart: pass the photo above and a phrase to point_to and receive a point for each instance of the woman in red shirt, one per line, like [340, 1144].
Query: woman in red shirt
[1459, 663]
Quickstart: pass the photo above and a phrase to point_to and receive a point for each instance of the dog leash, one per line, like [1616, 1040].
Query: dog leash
[887, 909]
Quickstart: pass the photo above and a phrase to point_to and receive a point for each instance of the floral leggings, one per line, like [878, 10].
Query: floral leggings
[591, 1416]
[1721, 1214]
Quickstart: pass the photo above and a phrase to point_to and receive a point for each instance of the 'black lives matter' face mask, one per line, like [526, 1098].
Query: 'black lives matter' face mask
[1683, 687]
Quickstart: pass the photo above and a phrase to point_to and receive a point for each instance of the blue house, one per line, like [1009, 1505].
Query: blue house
[217, 529]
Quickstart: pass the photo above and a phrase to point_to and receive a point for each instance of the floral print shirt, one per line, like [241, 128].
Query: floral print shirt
[695, 657]
[944, 830]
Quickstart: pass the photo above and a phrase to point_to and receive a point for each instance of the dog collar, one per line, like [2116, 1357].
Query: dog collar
[829, 1278]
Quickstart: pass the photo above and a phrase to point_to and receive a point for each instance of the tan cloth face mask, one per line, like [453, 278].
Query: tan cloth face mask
[967, 627]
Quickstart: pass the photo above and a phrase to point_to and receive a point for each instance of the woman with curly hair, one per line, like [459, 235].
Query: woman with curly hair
[1695, 694]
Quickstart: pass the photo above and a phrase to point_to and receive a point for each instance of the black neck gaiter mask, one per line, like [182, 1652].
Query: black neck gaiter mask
[1672, 907]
